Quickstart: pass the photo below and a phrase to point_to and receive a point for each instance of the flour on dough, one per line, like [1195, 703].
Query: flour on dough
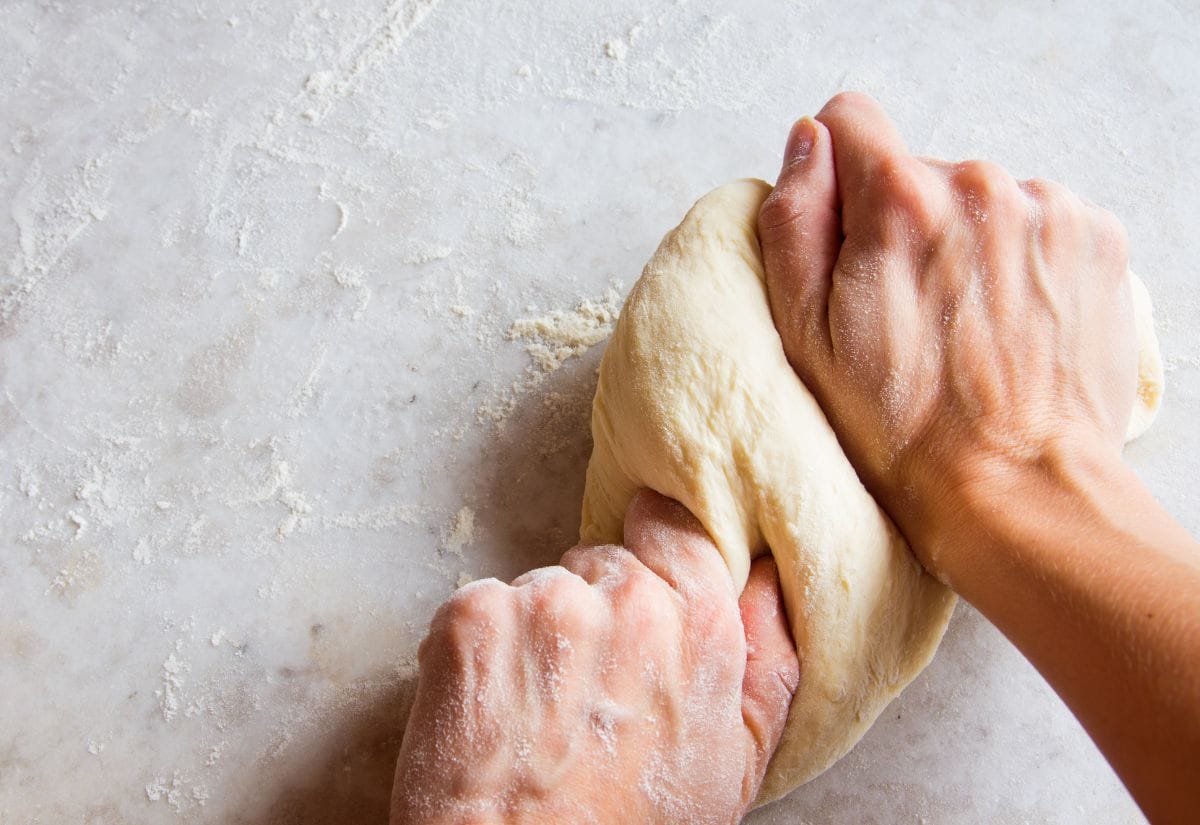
[697, 401]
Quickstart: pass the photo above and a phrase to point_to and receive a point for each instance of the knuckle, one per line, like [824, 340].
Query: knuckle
[849, 102]
[645, 595]
[1053, 201]
[1112, 238]
[560, 601]
[787, 674]
[479, 604]
[982, 179]
[555, 592]
[895, 176]
[594, 562]
[637, 586]
[574, 555]
[466, 626]
[780, 208]
[985, 192]
[579, 557]
[904, 189]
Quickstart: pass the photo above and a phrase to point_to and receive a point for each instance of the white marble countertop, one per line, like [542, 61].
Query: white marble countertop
[262, 412]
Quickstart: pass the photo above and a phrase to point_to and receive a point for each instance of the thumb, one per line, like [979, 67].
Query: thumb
[772, 669]
[800, 229]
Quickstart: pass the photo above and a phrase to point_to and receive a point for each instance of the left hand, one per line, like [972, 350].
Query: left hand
[629, 684]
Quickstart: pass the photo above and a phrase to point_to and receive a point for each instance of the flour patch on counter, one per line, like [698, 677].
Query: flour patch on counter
[173, 677]
[378, 519]
[558, 335]
[462, 531]
[550, 340]
[399, 21]
[179, 792]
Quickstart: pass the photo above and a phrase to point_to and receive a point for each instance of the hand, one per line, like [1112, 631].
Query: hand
[622, 686]
[960, 329]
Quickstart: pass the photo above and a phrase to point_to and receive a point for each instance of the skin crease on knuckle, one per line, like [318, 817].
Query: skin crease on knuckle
[599, 564]
[993, 207]
[477, 608]
[904, 184]
[848, 107]
[910, 208]
[987, 182]
[561, 601]
[642, 599]
[1056, 213]
[782, 207]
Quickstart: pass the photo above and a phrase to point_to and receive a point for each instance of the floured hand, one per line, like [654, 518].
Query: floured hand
[961, 329]
[629, 684]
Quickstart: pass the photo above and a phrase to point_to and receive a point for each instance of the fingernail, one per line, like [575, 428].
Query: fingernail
[800, 142]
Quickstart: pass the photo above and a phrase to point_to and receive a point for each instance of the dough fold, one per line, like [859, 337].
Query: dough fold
[696, 400]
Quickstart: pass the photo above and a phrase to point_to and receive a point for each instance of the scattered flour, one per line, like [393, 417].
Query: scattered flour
[462, 531]
[616, 49]
[423, 253]
[379, 519]
[559, 335]
[173, 670]
[179, 792]
[551, 340]
[399, 21]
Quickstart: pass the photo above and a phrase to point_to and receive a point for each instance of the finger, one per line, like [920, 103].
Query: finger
[540, 575]
[561, 623]
[672, 543]
[556, 598]
[800, 228]
[866, 149]
[596, 563]
[772, 668]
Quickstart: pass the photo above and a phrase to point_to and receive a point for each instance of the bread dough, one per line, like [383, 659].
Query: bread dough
[697, 401]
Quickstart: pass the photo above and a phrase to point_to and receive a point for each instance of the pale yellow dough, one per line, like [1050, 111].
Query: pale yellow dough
[697, 401]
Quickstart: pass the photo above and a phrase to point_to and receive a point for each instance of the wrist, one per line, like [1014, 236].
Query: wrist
[977, 508]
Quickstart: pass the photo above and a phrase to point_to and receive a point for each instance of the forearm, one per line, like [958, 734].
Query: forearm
[1095, 583]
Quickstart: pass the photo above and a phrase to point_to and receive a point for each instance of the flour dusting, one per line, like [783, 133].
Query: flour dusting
[558, 335]
[462, 531]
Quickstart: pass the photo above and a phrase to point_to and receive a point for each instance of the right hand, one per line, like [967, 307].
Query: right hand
[960, 329]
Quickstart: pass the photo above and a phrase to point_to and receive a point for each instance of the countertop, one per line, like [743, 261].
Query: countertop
[266, 400]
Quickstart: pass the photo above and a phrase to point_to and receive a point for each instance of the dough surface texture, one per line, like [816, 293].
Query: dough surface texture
[696, 400]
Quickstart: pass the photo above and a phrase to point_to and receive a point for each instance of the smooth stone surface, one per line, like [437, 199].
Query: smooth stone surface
[261, 410]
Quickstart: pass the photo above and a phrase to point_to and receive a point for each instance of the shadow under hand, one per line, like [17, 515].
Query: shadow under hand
[350, 781]
[528, 498]
[532, 473]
